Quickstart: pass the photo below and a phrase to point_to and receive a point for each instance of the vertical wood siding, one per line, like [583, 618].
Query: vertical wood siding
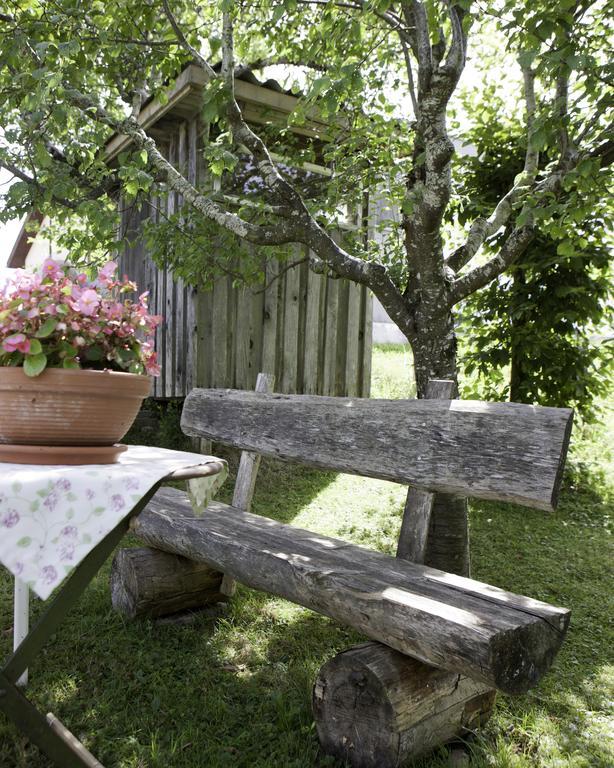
[312, 332]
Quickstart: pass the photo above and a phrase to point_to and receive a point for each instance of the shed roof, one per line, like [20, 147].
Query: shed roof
[261, 102]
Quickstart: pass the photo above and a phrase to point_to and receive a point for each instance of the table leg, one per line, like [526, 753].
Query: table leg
[36, 727]
[21, 619]
[56, 741]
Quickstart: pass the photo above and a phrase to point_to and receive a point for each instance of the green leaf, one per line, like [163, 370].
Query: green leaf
[70, 363]
[47, 328]
[25, 541]
[34, 365]
[35, 347]
[94, 354]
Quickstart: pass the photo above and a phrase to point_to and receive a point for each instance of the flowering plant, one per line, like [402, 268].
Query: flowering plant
[59, 318]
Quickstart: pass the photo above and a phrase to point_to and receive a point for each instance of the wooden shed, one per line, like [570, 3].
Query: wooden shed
[313, 332]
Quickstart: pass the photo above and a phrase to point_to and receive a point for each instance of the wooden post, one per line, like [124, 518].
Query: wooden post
[148, 583]
[245, 483]
[422, 540]
[377, 708]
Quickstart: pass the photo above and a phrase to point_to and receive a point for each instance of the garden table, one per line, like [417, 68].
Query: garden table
[58, 525]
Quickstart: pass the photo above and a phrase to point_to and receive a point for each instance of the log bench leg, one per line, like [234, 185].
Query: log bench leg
[377, 708]
[149, 583]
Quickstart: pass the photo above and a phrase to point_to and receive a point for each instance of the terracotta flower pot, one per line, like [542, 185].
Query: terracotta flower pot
[68, 407]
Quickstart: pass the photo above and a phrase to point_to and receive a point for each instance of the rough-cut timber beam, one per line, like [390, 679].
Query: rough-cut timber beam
[503, 451]
[504, 640]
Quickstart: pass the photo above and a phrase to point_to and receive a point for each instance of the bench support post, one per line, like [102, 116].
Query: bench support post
[377, 708]
[148, 582]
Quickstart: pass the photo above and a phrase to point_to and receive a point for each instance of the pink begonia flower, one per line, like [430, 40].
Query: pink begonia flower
[107, 272]
[88, 302]
[16, 343]
[34, 312]
[51, 268]
[151, 366]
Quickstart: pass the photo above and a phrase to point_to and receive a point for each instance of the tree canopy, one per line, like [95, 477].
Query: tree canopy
[387, 79]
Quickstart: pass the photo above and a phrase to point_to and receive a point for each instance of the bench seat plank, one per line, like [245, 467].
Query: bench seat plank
[504, 451]
[505, 640]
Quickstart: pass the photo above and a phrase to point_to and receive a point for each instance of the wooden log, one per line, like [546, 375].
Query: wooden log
[376, 708]
[505, 640]
[149, 583]
[503, 451]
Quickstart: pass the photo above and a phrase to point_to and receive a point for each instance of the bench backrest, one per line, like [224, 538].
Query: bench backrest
[502, 451]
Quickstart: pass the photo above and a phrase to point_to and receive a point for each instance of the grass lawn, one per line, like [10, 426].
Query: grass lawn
[235, 691]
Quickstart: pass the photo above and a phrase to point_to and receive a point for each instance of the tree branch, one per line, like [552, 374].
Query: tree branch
[184, 42]
[482, 229]
[477, 278]
[31, 181]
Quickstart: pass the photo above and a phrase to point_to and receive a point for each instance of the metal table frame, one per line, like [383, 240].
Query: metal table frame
[47, 732]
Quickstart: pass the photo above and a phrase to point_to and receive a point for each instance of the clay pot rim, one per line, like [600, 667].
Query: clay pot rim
[133, 384]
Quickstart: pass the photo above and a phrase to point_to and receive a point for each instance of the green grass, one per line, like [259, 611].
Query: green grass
[235, 691]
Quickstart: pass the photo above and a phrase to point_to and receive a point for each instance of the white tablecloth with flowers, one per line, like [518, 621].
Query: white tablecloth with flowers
[51, 517]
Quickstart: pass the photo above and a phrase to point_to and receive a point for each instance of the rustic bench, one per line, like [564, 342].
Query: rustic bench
[465, 638]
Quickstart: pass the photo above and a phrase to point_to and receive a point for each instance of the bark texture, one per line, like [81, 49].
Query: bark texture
[376, 708]
[147, 583]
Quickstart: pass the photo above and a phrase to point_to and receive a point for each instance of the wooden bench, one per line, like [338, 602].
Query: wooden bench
[464, 637]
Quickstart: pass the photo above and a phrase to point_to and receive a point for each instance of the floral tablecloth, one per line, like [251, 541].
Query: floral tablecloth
[51, 517]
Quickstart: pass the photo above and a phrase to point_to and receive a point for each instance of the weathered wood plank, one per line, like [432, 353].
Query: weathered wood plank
[219, 333]
[242, 337]
[343, 289]
[269, 322]
[376, 708]
[289, 374]
[352, 372]
[314, 317]
[505, 640]
[330, 337]
[504, 451]
[170, 293]
[366, 341]
[204, 351]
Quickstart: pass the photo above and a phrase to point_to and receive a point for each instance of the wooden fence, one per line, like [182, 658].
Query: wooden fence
[313, 332]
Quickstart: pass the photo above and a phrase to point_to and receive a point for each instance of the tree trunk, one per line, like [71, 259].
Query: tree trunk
[434, 346]
[516, 356]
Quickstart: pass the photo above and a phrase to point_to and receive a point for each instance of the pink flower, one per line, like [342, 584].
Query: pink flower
[88, 302]
[117, 502]
[16, 343]
[151, 366]
[108, 271]
[52, 269]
